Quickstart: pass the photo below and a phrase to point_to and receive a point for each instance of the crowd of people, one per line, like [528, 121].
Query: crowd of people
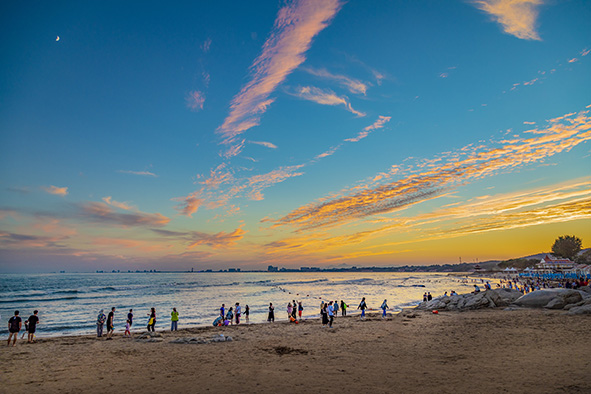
[328, 310]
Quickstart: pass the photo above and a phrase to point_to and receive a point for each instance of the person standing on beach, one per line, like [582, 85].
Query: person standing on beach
[229, 317]
[271, 317]
[100, 321]
[429, 296]
[130, 317]
[110, 325]
[174, 320]
[336, 308]
[343, 308]
[294, 310]
[238, 312]
[300, 309]
[330, 314]
[152, 321]
[289, 309]
[246, 312]
[15, 324]
[425, 297]
[363, 307]
[384, 307]
[33, 321]
[223, 311]
[324, 314]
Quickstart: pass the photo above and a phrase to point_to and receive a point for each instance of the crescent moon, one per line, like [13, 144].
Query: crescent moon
[57, 38]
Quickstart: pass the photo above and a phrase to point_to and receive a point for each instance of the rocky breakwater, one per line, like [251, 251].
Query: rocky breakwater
[576, 302]
[485, 299]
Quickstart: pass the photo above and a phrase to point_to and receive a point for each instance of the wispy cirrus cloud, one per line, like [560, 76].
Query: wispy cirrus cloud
[257, 183]
[121, 205]
[189, 205]
[517, 17]
[324, 97]
[206, 45]
[264, 143]
[440, 176]
[58, 191]
[378, 124]
[545, 205]
[141, 173]
[195, 100]
[9, 239]
[296, 25]
[221, 186]
[103, 213]
[351, 84]
[195, 238]
[18, 189]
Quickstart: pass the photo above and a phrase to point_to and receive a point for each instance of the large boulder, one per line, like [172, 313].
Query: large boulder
[550, 298]
[583, 308]
[484, 299]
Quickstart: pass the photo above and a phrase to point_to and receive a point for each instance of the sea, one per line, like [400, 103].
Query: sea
[68, 304]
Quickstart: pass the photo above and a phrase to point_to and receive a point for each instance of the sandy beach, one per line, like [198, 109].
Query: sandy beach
[519, 351]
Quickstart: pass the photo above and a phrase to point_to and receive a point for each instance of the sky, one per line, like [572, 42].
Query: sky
[209, 135]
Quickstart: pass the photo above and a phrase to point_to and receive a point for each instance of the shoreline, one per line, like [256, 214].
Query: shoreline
[523, 350]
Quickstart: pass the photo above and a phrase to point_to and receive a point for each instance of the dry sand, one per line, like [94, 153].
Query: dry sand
[521, 351]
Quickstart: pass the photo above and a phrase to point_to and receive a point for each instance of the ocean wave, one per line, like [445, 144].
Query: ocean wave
[14, 301]
[299, 282]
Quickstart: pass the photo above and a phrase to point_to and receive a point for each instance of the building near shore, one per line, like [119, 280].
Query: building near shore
[548, 264]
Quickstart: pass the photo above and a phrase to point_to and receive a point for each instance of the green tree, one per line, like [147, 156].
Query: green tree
[567, 246]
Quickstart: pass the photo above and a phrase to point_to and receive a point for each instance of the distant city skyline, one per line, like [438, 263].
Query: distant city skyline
[138, 136]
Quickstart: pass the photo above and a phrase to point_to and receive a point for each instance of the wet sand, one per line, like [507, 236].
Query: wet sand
[520, 351]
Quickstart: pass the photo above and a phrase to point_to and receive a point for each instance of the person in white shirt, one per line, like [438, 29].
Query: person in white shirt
[330, 314]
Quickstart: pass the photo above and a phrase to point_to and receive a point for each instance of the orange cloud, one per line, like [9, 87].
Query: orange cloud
[517, 17]
[562, 134]
[296, 25]
[58, 191]
[195, 238]
[219, 240]
[189, 205]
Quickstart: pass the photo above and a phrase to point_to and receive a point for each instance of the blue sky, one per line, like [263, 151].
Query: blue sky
[291, 133]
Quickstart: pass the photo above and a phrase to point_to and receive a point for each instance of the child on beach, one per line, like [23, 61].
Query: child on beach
[344, 307]
[300, 309]
[127, 329]
[289, 309]
[271, 317]
[246, 312]
[100, 321]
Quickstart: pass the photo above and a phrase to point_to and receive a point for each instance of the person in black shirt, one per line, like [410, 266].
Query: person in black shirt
[110, 325]
[33, 321]
[14, 326]
[130, 317]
